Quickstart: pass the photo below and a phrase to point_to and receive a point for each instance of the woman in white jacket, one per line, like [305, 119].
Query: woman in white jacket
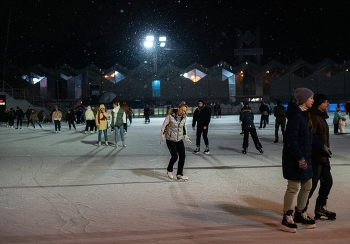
[174, 130]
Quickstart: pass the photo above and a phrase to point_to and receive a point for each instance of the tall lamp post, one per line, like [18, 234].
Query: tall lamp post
[150, 42]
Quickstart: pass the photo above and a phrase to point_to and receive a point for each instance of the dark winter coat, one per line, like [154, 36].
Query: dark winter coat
[19, 113]
[320, 132]
[247, 118]
[201, 116]
[297, 145]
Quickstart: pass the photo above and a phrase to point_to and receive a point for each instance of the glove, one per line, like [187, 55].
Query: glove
[187, 140]
[162, 138]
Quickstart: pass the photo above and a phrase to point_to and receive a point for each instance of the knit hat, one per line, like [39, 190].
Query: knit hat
[102, 106]
[200, 101]
[319, 99]
[302, 94]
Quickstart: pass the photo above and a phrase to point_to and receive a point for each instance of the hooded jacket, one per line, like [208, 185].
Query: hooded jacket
[247, 118]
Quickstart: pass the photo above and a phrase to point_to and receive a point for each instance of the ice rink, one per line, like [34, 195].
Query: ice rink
[62, 188]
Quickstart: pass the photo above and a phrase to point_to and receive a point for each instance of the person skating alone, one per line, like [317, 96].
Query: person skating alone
[70, 118]
[174, 130]
[201, 117]
[56, 119]
[34, 118]
[247, 119]
[279, 112]
[19, 117]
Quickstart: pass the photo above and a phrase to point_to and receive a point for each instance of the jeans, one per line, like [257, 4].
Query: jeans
[36, 121]
[57, 125]
[177, 151]
[100, 134]
[117, 130]
[199, 132]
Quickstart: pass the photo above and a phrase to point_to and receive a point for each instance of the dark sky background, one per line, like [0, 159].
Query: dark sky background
[79, 33]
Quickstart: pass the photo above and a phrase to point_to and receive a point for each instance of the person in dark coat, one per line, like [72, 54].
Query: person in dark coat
[70, 118]
[279, 112]
[19, 117]
[201, 117]
[296, 161]
[247, 119]
[27, 113]
[264, 110]
[146, 113]
[320, 163]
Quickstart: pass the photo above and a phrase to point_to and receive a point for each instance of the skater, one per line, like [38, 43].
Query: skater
[247, 119]
[264, 110]
[201, 117]
[146, 112]
[336, 117]
[280, 113]
[320, 164]
[70, 118]
[296, 162]
[174, 131]
[11, 117]
[56, 118]
[34, 119]
[117, 122]
[102, 124]
[19, 117]
[126, 109]
[90, 120]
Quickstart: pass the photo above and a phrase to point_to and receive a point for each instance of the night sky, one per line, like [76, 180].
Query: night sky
[104, 33]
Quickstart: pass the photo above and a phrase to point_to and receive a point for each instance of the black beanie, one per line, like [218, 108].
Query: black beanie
[319, 99]
[201, 101]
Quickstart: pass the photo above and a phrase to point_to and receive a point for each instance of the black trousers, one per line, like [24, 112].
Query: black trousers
[252, 132]
[177, 151]
[322, 174]
[199, 133]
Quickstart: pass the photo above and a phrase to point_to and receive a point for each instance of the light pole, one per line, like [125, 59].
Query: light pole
[150, 42]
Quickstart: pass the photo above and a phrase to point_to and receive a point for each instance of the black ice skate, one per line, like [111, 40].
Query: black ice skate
[244, 151]
[207, 151]
[304, 219]
[321, 213]
[196, 150]
[288, 224]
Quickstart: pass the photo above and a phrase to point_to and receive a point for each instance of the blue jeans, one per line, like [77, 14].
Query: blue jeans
[33, 123]
[104, 133]
[118, 130]
[57, 125]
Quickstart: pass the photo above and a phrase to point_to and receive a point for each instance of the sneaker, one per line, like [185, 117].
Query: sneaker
[124, 145]
[116, 145]
[85, 132]
[322, 213]
[99, 144]
[207, 151]
[304, 219]
[182, 177]
[56, 132]
[90, 132]
[196, 150]
[170, 174]
[288, 224]
[106, 143]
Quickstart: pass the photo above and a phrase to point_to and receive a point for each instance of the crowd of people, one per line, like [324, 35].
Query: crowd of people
[305, 155]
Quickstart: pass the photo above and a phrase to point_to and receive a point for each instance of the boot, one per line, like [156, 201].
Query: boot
[276, 140]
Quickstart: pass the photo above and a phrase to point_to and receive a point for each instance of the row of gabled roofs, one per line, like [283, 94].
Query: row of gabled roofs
[272, 65]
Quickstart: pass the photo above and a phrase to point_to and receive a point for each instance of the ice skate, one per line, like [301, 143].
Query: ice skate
[288, 224]
[321, 213]
[303, 219]
[207, 151]
[170, 175]
[196, 150]
[182, 178]
[244, 151]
